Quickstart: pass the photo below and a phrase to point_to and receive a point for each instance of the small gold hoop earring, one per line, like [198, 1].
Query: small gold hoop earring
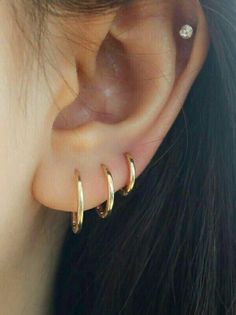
[105, 210]
[132, 176]
[78, 216]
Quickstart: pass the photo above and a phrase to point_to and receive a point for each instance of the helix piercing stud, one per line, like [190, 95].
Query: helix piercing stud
[186, 31]
[78, 215]
[104, 210]
[132, 175]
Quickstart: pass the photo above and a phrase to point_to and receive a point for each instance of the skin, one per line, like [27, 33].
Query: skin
[51, 123]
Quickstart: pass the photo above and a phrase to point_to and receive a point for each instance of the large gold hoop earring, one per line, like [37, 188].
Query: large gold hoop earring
[105, 210]
[132, 175]
[78, 216]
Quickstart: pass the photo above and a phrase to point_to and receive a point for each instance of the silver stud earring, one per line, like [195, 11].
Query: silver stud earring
[186, 31]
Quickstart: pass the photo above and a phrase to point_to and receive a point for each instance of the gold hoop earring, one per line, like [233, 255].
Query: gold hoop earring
[105, 210]
[78, 216]
[132, 175]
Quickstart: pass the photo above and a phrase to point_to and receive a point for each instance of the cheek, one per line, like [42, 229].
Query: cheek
[14, 130]
[15, 176]
[26, 119]
[22, 141]
[24, 99]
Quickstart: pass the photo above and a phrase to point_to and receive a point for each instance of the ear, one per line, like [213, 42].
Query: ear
[132, 72]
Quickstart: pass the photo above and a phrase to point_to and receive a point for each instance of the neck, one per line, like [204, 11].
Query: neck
[26, 280]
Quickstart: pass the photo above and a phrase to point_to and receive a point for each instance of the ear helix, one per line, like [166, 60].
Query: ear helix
[103, 210]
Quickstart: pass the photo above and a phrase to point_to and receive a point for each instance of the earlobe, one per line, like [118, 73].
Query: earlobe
[127, 103]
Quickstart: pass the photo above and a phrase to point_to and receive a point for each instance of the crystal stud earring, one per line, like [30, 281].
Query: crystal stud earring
[186, 31]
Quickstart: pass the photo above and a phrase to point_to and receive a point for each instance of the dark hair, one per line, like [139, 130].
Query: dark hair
[169, 247]
[76, 7]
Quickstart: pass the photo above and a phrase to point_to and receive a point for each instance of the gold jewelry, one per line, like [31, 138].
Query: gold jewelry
[105, 210]
[132, 175]
[77, 217]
